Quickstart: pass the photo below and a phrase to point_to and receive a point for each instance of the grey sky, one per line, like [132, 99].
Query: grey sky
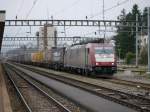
[64, 9]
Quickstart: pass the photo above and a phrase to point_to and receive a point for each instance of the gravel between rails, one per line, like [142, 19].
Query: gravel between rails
[101, 82]
[136, 101]
[131, 87]
[69, 104]
[98, 81]
[37, 101]
[132, 76]
[16, 103]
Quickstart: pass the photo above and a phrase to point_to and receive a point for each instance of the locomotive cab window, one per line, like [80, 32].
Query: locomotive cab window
[103, 51]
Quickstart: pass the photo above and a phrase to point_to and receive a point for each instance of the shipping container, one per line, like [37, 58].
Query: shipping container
[58, 54]
[37, 56]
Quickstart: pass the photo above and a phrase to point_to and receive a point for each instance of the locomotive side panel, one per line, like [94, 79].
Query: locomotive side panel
[92, 58]
[76, 57]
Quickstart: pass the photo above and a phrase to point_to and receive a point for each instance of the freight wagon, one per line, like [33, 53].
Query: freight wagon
[88, 59]
[37, 57]
[52, 58]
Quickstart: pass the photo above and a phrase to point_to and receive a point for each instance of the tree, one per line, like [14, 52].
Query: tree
[144, 21]
[125, 38]
[119, 41]
[130, 58]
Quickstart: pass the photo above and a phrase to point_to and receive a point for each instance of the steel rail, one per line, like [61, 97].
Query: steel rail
[140, 107]
[17, 89]
[145, 86]
[138, 71]
[57, 103]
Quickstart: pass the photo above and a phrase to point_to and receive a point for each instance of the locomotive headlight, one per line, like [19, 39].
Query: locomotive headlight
[112, 63]
[97, 64]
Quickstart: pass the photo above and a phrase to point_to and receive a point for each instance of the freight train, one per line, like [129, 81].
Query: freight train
[86, 59]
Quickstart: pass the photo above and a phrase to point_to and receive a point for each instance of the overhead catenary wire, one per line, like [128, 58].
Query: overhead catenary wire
[17, 13]
[28, 14]
[67, 7]
[63, 10]
[70, 6]
[73, 4]
[108, 9]
[34, 3]
[95, 32]
[19, 8]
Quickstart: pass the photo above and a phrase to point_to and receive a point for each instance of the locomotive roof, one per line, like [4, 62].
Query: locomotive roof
[98, 40]
[91, 45]
[100, 44]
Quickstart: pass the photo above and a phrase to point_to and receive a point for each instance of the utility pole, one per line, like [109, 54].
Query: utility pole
[148, 30]
[104, 18]
[137, 40]
[103, 10]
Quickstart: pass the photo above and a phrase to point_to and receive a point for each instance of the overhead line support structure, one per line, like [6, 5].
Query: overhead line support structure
[107, 23]
[51, 38]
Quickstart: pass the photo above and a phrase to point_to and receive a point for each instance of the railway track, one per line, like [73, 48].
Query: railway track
[138, 103]
[17, 104]
[139, 85]
[33, 97]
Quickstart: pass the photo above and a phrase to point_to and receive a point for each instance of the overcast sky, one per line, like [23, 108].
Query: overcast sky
[65, 9]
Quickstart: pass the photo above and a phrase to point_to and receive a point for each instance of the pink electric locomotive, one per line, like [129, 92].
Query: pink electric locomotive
[91, 58]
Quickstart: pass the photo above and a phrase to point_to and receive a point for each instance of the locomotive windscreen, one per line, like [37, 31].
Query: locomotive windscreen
[104, 54]
[104, 50]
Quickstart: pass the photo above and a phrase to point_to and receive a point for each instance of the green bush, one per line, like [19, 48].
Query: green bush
[130, 57]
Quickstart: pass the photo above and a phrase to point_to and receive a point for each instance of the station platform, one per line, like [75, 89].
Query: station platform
[5, 105]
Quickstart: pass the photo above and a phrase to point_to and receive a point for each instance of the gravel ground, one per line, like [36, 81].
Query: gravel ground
[98, 81]
[66, 102]
[133, 76]
[16, 103]
[54, 85]
[37, 101]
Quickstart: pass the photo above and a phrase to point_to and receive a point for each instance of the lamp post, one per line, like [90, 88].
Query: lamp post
[137, 40]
